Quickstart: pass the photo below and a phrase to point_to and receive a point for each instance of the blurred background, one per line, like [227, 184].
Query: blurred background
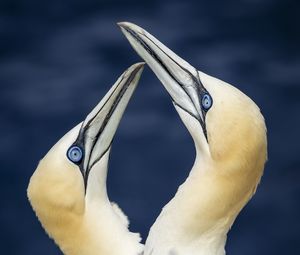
[58, 58]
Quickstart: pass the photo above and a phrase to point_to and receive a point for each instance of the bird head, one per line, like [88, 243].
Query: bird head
[74, 170]
[226, 125]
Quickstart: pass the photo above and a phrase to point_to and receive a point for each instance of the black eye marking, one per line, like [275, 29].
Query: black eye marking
[75, 154]
[206, 101]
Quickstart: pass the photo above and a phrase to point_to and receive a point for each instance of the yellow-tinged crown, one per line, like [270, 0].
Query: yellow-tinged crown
[57, 182]
[229, 163]
[68, 189]
[56, 193]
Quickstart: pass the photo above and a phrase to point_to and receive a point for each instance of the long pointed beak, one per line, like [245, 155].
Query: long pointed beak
[180, 79]
[99, 127]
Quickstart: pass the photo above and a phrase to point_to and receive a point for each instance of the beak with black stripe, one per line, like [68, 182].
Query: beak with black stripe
[98, 129]
[68, 189]
[229, 134]
[182, 81]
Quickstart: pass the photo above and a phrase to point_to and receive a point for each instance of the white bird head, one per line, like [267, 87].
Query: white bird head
[221, 119]
[230, 139]
[72, 175]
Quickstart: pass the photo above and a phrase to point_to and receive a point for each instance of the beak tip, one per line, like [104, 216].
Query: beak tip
[136, 68]
[128, 26]
[123, 24]
[140, 65]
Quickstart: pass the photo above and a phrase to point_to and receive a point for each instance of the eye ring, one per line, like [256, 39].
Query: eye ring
[75, 154]
[206, 101]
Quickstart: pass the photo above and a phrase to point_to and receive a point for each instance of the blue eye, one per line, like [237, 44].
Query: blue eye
[206, 101]
[75, 154]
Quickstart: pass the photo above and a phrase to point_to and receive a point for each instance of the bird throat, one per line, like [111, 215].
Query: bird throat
[196, 221]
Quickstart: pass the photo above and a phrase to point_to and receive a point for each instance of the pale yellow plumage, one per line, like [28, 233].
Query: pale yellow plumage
[221, 182]
[81, 219]
[231, 149]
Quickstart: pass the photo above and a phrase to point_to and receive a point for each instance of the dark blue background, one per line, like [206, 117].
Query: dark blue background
[58, 58]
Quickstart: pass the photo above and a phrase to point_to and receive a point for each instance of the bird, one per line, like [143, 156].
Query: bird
[68, 190]
[229, 134]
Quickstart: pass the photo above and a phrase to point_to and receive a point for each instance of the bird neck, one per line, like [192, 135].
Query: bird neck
[92, 225]
[197, 219]
[106, 223]
[102, 229]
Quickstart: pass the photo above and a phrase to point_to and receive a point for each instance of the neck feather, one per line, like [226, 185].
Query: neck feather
[100, 230]
[197, 219]
[95, 228]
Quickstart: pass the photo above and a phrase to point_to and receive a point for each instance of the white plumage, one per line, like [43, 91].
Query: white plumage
[231, 149]
[68, 189]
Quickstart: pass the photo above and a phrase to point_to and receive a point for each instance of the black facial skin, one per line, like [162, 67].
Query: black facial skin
[81, 139]
[197, 84]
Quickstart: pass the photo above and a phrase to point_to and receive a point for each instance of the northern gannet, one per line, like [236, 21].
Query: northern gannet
[229, 133]
[68, 189]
